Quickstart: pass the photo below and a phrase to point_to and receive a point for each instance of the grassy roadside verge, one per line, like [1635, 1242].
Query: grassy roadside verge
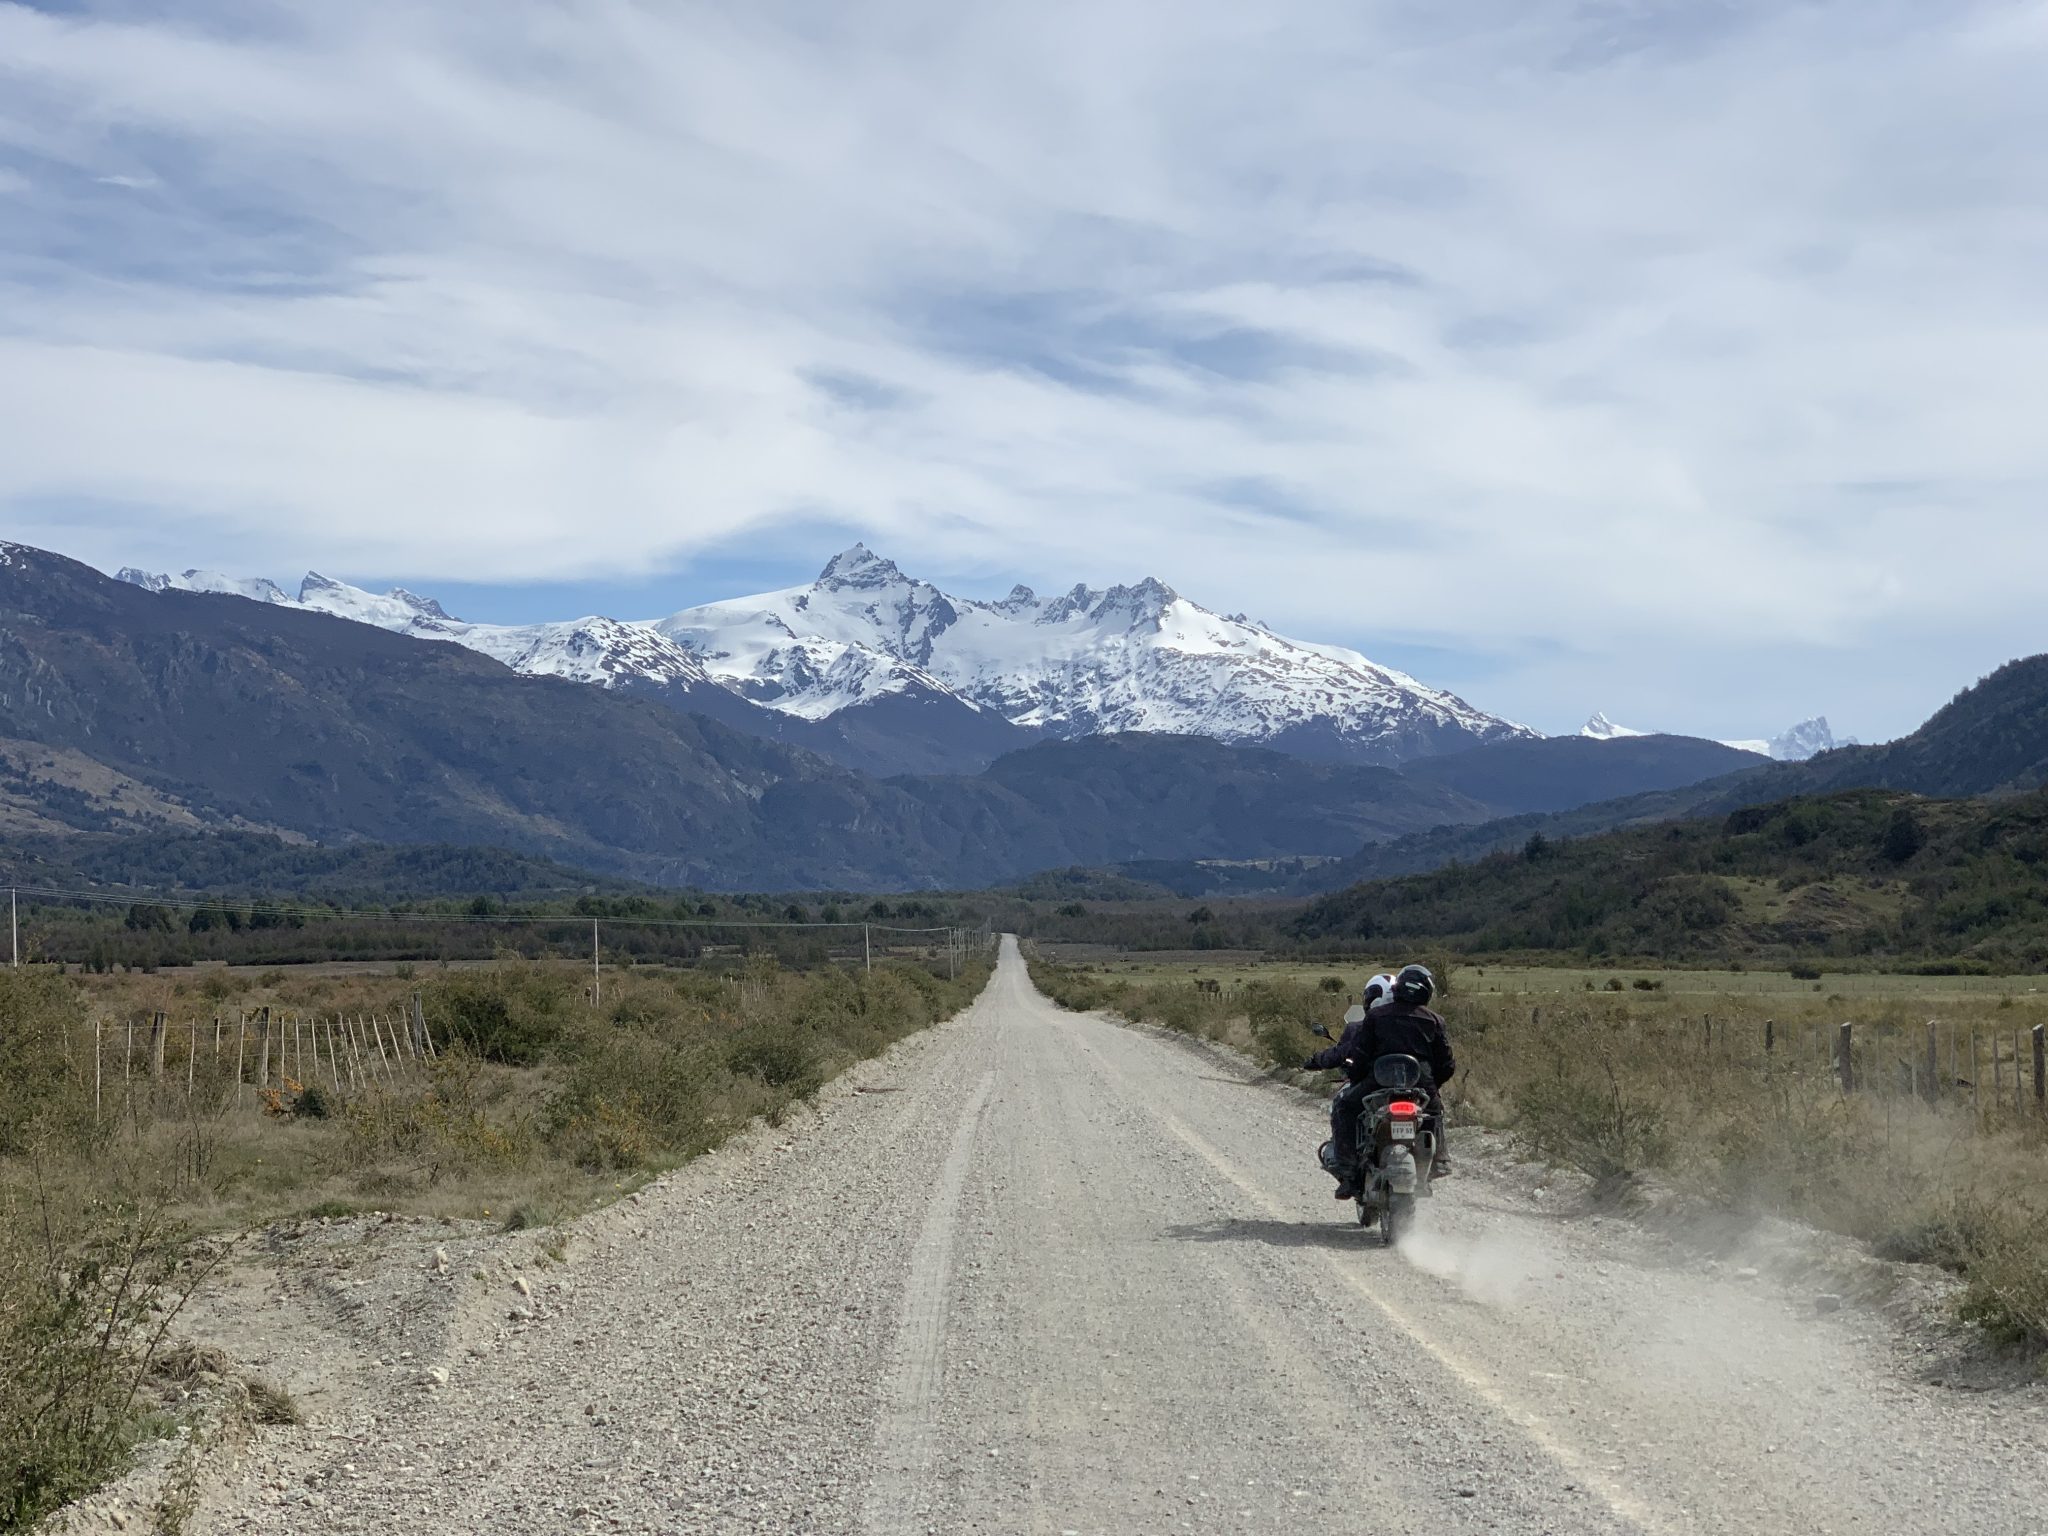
[114, 1195]
[1623, 1086]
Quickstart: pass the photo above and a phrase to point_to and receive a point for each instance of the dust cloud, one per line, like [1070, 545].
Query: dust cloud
[1494, 1268]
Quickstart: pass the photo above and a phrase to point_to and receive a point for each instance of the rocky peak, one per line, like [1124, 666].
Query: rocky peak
[427, 607]
[858, 567]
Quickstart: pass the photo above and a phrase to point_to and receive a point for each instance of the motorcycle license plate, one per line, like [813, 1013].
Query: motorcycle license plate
[1404, 1130]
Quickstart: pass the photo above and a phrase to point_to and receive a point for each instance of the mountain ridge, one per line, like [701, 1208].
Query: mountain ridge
[1090, 661]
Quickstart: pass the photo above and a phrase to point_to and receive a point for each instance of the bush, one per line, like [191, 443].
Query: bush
[513, 1013]
[1579, 1114]
[1804, 971]
[781, 1058]
[38, 1092]
[1331, 984]
[87, 1292]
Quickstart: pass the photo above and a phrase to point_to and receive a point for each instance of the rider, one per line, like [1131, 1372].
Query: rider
[1407, 1026]
[1401, 1025]
[1345, 1107]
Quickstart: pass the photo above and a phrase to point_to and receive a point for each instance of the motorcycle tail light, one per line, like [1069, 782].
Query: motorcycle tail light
[1402, 1109]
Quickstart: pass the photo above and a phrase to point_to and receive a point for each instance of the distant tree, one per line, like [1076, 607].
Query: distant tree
[1537, 846]
[1201, 915]
[794, 913]
[1905, 836]
[143, 919]
[1073, 909]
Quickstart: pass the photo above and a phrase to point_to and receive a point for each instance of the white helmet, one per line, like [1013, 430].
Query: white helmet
[1379, 990]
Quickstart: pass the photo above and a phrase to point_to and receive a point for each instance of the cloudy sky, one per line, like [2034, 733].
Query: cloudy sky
[1687, 360]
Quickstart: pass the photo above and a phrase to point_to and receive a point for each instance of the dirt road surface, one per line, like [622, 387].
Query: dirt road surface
[1037, 1272]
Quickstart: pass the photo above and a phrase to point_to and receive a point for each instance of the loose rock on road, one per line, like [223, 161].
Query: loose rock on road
[1036, 1272]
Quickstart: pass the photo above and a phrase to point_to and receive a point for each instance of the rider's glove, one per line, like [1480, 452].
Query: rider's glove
[1309, 1065]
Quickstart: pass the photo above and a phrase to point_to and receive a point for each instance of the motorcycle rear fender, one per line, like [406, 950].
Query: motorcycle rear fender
[1397, 1168]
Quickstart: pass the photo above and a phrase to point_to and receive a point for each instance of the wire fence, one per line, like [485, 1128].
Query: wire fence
[1995, 1074]
[276, 1053]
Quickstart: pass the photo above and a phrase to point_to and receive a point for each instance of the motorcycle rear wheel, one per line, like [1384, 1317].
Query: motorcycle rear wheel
[1396, 1216]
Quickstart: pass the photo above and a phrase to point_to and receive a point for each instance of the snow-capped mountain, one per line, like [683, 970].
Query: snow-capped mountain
[1600, 728]
[1088, 662]
[1807, 739]
[258, 590]
[606, 652]
[1804, 740]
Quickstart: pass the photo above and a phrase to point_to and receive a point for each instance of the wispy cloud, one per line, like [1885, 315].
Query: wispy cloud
[1598, 323]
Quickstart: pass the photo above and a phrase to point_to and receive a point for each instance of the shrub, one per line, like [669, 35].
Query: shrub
[513, 1013]
[1805, 971]
[1331, 984]
[88, 1290]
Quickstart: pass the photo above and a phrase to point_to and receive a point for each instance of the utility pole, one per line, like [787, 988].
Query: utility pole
[596, 974]
[14, 922]
[867, 950]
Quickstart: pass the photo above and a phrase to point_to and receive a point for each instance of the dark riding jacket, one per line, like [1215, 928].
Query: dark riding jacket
[1392, 1029]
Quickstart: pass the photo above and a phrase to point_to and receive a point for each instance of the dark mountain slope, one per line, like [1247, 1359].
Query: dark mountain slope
[898, 733]
[1144, 794]
[1858, 874]
[211, 712]
[1991, 738]
[335, 730]
[1560, 773]
[252, 864]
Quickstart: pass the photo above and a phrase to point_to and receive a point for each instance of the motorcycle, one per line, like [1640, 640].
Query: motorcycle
[1397, 1142]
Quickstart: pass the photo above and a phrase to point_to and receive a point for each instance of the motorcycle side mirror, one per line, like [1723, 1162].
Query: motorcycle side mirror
[1355, 1014]
[1320, 1029]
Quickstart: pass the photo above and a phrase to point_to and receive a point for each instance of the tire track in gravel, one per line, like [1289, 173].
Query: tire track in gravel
[907, 1439]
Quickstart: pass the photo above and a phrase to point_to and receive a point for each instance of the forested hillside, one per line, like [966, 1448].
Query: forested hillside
[1874, 874]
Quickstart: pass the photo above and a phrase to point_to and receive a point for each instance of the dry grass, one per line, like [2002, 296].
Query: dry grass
[538, 1105]
[1622, 1084]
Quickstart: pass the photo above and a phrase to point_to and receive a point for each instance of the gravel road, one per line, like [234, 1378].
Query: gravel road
[1037, 1272]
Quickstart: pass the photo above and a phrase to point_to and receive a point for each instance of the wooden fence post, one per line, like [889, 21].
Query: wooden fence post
[2018, 1077]
[241, 1043]
[1933, 1063]
[1770, 1035]
[1844, 1058]
[2040, 1068]
[263, 1047]
[191, 1058]
[159, 1026]
[423, 1042]
[98, 1026]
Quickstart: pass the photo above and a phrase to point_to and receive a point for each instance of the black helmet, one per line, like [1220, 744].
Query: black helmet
[1414, 986]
